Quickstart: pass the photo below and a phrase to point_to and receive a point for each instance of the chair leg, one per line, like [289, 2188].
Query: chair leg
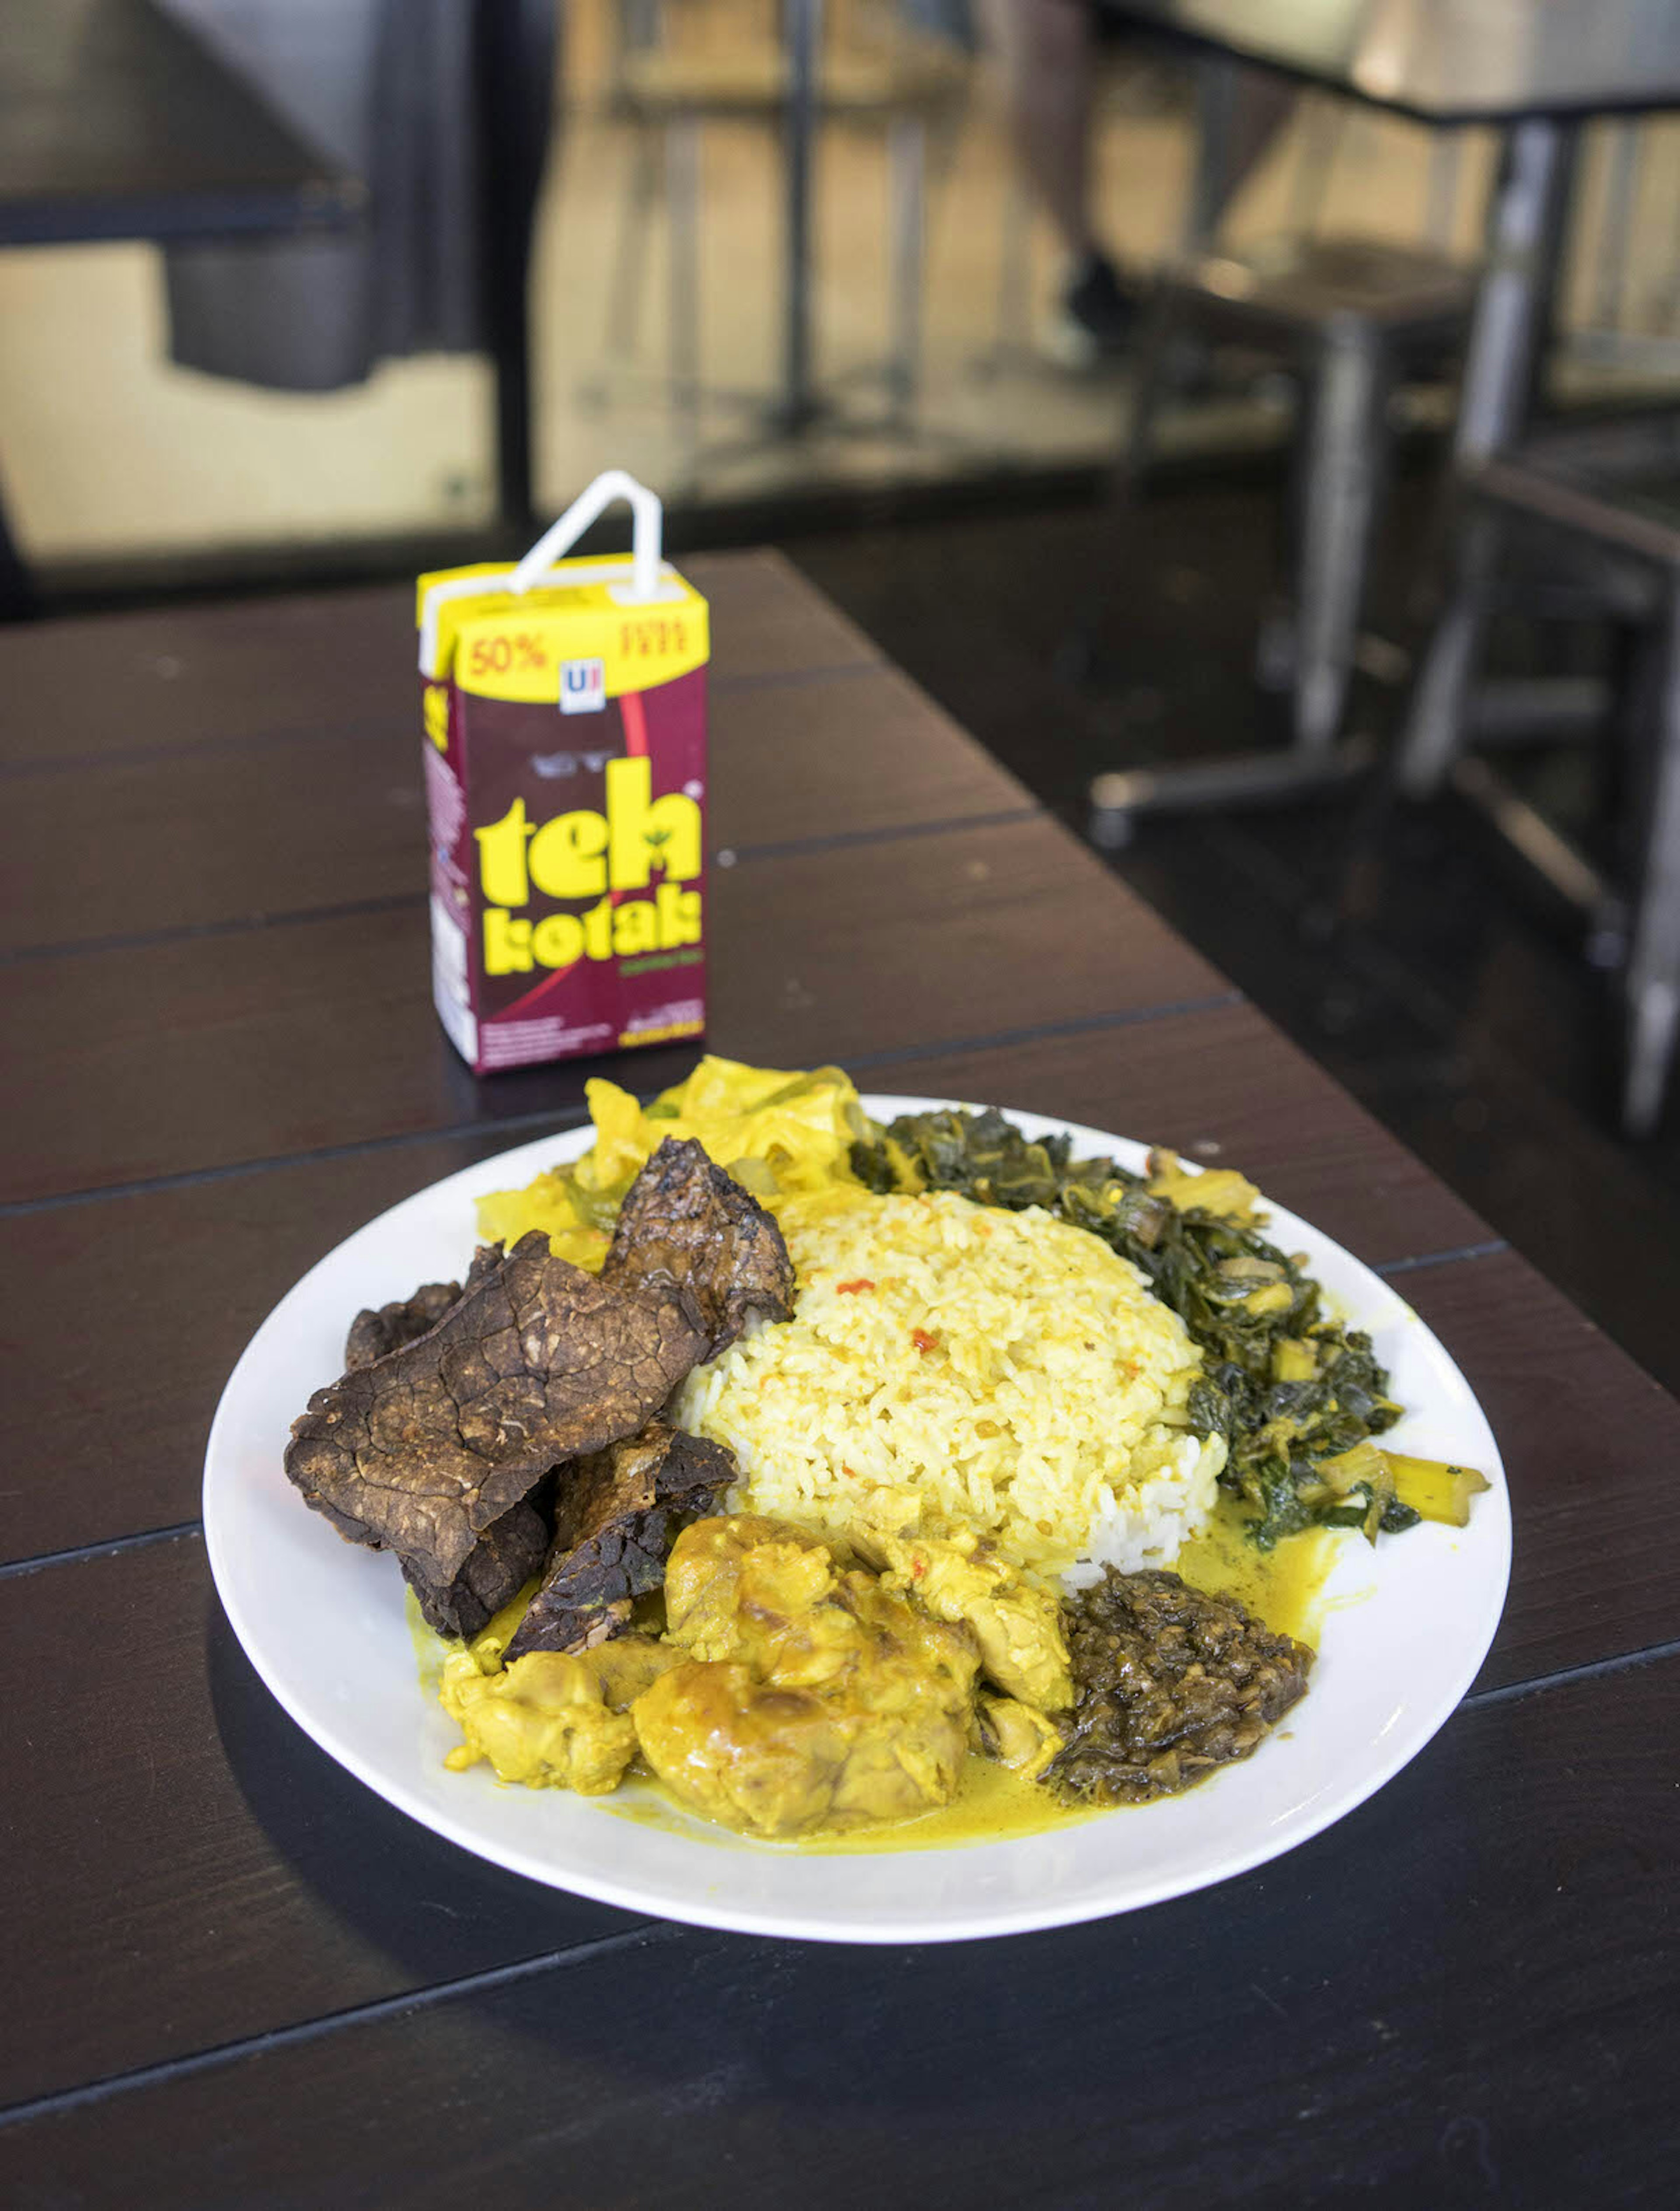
[1015, 305]
[1434, 729]
[1653, 980]
[1442, 210]
[1217, 79]
[1320, 125]
[1160, 327]
[1075, 657]
[682, 187]
[1343, 450]
[1627, 141]
[907, 159]
[624, 288]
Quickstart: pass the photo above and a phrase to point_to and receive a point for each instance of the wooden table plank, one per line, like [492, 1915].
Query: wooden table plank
[768, 620]
[200, 1879]
[263, 671]
[155, 1601]
[216, 835]
[204, 1052]
[847, 754]
[1592, 1451]
[101, 687]
[194, 1864]
[1374, 2013]
[145, 1302]
[219, 1253]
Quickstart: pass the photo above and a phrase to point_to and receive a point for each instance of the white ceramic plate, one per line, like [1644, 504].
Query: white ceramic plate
[323, 1624]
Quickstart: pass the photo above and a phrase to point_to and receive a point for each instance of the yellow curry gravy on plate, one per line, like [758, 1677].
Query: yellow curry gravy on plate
[1284, 1588]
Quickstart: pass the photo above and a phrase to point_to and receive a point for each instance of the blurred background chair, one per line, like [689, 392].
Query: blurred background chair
[874, 71]
[1603, 503]
[1347, 317]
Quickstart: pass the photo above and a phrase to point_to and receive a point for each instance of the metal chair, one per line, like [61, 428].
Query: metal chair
[1606, 499]
[907, 83]
[1349, 315]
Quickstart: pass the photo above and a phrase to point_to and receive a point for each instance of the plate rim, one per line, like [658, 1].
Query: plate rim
[219, 1508]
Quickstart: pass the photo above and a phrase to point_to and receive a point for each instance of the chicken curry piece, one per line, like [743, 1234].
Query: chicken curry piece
[793, 1691]
[551, 1720]
[960, 1576]
[811, 1696]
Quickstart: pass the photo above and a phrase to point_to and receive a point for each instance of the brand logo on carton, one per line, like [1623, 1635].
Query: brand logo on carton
[582, 687]
[583, 856]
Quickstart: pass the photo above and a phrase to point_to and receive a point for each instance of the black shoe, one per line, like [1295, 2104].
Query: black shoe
[1099, 316]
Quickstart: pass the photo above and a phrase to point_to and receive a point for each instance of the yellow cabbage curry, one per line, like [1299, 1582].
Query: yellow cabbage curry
[786, 1691]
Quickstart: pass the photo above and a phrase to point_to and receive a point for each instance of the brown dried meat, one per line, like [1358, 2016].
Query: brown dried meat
[538, 1362]
[376, 1332]
[618, 1516]
[498, 1565]
[684, 1221]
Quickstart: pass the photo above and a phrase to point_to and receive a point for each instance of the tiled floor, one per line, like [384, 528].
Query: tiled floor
[1456, 1007]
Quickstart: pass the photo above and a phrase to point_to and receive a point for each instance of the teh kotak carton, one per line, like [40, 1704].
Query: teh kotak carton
[565, 711]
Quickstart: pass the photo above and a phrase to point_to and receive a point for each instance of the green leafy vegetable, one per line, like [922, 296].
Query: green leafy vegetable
[1296, 1395]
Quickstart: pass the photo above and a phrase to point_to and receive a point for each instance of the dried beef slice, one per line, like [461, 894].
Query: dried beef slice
[375, 1332]
[498, 1565]
[538, 1362]
[684, 1221]
[618, 1515]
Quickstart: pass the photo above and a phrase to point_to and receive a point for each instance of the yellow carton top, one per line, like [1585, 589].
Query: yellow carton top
[501, 644]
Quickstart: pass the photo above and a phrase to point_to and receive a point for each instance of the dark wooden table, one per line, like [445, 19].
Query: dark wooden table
[235, 1978]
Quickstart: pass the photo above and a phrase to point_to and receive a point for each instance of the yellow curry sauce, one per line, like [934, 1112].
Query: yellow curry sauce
[1284, 1588]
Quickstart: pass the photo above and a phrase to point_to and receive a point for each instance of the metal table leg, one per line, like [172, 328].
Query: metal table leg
[1513, 301]
[802, 40]
[1501, 371]
[1343, 463]
[906, 158]
[1651, 985]
[1339, 470]
[682, 180]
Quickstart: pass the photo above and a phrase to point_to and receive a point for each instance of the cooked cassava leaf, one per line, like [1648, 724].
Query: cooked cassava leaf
[1286, 1386]
[1169, 1682]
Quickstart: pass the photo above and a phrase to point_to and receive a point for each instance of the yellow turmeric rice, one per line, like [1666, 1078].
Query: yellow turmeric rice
[1010, 1369]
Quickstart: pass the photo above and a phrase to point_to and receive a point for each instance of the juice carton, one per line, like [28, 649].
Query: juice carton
[565, 711]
